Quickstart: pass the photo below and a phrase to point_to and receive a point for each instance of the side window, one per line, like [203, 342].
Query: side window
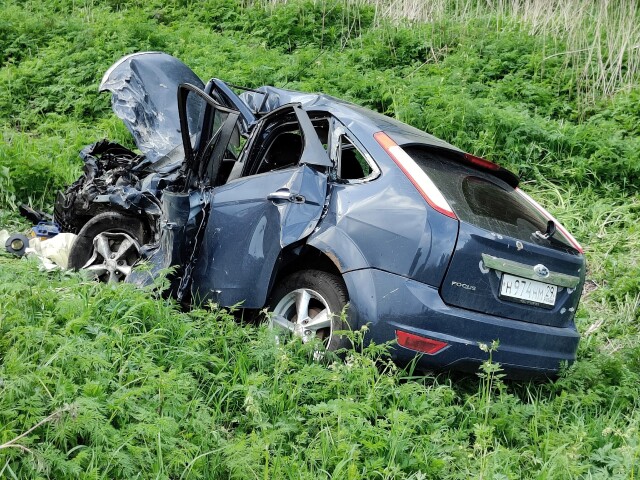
[285, 147]
[284, 151]
[353, 164]
[321, 126]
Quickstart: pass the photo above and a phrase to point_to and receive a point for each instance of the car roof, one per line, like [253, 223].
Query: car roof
[267, 98]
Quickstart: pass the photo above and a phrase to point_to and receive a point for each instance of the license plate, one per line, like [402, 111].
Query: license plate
[528, 291]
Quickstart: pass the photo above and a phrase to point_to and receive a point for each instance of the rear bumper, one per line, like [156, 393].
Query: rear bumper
[388, 302]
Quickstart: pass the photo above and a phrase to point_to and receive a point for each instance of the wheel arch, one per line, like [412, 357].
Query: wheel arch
[296, 258]
[305, 257]
[362, 304]
[329, 249]
[108, 214]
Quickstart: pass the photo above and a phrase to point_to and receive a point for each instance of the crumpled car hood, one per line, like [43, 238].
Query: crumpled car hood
[144, 95]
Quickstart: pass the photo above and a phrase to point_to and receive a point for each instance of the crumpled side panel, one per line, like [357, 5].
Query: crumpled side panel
[184, 217]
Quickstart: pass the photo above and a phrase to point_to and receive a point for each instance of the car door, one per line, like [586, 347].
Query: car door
[206, 129]
[278, 202]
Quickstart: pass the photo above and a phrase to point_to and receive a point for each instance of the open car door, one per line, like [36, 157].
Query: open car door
[253, 218]
[206, 146]
[184, 203]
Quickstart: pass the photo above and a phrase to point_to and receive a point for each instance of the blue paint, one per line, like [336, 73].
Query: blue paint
[406, 266]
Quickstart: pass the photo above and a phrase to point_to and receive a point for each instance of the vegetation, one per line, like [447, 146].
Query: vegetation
[111, 382]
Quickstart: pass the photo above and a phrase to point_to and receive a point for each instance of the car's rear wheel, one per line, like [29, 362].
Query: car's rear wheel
[309, 304]
[108, 246]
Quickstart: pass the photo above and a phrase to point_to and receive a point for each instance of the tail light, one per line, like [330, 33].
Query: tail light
[419, 343]
[481, 162]
[416, 175]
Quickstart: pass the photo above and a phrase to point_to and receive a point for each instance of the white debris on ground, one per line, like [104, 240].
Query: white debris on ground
[4, 236]
[52, 253]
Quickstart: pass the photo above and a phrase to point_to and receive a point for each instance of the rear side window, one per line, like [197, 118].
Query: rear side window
[481, 199]
[353, 164]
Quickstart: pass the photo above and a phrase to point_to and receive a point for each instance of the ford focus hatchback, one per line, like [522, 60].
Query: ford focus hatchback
[307, 204]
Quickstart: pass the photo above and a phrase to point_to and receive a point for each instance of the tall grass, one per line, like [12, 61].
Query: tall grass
[599, 40]
[103, 382]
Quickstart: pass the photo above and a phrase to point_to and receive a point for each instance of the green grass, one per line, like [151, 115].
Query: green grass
[144, 389]
[121, 384]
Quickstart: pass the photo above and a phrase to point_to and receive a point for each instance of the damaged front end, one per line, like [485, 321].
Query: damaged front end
[172, 206]
[110, 180]
[152, 203]
[143, 88]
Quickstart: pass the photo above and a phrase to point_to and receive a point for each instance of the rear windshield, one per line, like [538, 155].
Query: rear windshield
[481, 199]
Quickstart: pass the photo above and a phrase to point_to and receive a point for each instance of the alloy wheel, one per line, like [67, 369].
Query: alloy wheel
[114, 253]
[304, 313]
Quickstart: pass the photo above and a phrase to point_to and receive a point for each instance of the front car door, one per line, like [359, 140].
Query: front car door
[206, 130]
[278, 202]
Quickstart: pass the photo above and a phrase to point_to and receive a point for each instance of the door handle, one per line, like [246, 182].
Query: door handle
[286, 195]
[283, 194]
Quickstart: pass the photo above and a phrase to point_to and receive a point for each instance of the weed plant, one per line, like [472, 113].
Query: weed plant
[120, 384]
[111, 382]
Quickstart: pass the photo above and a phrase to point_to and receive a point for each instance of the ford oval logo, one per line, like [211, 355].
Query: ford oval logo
[541, 270]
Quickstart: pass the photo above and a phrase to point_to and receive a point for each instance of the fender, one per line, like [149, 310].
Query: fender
[339, 247]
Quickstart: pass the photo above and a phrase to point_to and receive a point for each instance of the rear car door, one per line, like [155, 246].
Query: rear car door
[278, 202]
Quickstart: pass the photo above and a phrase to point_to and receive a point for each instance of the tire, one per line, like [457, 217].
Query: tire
[112, 229]
[321, 292]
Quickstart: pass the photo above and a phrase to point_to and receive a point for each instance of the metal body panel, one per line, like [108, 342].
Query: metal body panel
[144, 95]
[181, 219]
[246, 233]
[385, 224]
[388, 302]
[472, 284]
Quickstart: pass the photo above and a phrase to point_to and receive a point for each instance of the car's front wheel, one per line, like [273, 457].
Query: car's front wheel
[309, 304]
[108, 246]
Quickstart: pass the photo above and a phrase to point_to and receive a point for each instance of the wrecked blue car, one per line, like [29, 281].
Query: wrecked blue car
[305, 203]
